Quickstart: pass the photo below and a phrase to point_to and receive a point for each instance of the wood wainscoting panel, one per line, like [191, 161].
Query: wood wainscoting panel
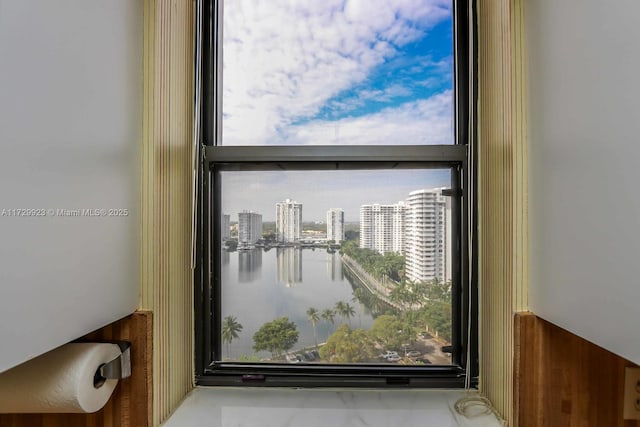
[131, 404]
[562, 380]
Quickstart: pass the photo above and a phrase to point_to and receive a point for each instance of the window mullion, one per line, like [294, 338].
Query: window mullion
[402, 153]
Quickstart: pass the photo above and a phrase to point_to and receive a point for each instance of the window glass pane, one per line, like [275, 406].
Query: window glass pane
[336, 266]
[337, 72]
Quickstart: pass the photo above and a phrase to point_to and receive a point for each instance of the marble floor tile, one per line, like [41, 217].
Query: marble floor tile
[233, 407]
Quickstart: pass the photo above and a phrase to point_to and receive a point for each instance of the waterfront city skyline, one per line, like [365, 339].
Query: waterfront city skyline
[391, 72]
[319, 191]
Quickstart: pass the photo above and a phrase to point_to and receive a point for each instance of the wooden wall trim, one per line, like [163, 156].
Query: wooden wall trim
[564, 380]
[131, 404]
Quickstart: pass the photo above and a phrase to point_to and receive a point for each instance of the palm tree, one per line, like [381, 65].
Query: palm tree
[357, 295]
[339, 308]
[329, 315]
[314, 317]
[230, 329]
[345, 310]
[348, 312]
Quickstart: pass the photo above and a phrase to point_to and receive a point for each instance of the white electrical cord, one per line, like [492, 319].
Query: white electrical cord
[473, 405]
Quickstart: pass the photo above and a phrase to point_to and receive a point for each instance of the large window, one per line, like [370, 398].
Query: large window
[334, 213]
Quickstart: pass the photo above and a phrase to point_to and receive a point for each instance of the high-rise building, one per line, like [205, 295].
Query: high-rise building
[225, 227]
[249, 228]
[335, 224]
[428, 235]
[288, 221]
[382, 227]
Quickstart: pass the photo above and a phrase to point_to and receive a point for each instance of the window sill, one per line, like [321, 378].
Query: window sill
[218, 406]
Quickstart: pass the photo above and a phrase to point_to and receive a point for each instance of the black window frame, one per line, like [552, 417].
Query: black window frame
[459, 157]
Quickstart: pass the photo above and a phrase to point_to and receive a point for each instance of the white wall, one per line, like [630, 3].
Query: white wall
[70, 123]
[584, 205]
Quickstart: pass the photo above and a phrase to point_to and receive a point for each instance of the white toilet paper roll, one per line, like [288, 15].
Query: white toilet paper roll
[59, 381]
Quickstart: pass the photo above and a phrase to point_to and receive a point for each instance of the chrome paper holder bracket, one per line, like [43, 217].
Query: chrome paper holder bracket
[120, 367]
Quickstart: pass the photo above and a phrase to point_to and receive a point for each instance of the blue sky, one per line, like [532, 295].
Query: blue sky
[418, 70]
[337, 72]
[357, 72]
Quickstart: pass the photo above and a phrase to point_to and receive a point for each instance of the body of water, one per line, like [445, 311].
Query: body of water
[259, 286]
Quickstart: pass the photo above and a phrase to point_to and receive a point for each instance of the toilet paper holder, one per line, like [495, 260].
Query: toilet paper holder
[120, 367]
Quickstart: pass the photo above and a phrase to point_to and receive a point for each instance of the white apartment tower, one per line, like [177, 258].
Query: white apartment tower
[382, 227]
[249, 228]
[428, 235]
[335, 224]
[288, 221]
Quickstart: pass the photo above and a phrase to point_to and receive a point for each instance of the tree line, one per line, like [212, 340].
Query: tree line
[429, 301]
[390, 264]
[390, 331]
[281, 334]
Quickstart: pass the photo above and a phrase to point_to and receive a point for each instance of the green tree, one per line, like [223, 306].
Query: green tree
[339, 307]
[276, 336]
[437, 315]
[348, 346]
[231, 245]
[435, 290]
[357, 297]
[348, 312]
[351, 235]
[345, 310]
[329, 315]
[410, 325]
[313, 316]
[389, 265]
[409, 293]
[269, 236]
[230, 330]
[390, 332]
[399, 293]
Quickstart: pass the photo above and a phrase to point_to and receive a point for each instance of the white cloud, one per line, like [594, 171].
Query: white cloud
[427, 121]
[284, 60]
[386, 94]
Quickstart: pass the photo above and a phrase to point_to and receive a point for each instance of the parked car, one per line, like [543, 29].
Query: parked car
[387, 354]
[413, 353]
[293, 358]
[392, 358]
